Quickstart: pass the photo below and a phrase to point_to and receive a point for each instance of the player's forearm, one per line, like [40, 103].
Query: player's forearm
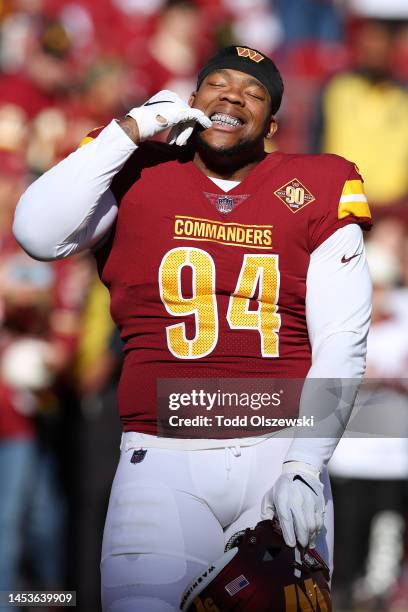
[338, 306]
[58, 213]
[329, 399]
[131, 129]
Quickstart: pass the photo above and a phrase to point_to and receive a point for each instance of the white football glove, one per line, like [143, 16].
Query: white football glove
[164, 110]
[297, 500]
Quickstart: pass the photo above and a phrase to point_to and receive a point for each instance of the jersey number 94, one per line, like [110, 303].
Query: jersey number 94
[260, 271]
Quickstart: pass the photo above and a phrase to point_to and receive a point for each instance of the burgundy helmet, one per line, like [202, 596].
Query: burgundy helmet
[260, 573]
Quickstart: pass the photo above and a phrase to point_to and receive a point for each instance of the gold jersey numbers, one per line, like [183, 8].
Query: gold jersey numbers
[257, 271]
[309, 599]
[262, 269]
[205, 606]
[202, 305]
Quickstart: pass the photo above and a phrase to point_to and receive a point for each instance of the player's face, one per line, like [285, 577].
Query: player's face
[239, 107]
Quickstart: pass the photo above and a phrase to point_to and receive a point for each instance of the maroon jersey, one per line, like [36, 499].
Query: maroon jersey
[207, 284]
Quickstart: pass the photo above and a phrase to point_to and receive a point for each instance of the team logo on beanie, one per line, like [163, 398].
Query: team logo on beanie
[251, 53]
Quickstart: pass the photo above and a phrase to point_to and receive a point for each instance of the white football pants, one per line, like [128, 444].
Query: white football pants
[171, 515]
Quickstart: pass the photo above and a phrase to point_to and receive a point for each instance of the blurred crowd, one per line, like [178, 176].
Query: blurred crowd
[68, 66]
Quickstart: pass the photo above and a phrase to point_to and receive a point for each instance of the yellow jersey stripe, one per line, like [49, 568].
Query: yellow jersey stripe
[353, 200]
[357, 209]
[85, 141]
[354, 186]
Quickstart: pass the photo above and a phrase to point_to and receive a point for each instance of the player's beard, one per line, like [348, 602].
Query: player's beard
[227, 160]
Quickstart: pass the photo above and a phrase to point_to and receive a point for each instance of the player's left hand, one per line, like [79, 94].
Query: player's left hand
[298, 502]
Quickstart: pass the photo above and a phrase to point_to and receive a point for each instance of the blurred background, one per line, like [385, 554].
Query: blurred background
[68, 66]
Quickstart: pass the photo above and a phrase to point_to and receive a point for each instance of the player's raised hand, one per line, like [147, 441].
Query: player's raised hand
[298, 502]
[167, 110]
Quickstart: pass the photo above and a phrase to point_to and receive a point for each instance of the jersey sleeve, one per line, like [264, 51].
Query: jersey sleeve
[91, 135]
[71, 207]
[338, 309]
[130, 171]
[344, 202]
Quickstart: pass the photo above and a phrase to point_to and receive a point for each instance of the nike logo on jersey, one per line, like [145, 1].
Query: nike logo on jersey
[345, 259]
[161, 102]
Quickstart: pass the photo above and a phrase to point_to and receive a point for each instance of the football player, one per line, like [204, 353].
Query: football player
[223, 262]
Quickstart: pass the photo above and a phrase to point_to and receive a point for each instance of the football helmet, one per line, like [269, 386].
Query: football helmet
[260, 573]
